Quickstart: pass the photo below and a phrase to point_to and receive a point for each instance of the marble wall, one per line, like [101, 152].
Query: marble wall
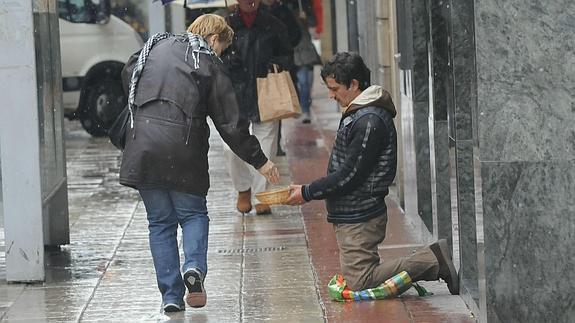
[526, 148]
[421, 36]
[366, 33]
[495, 147]
[462, 48]
[413, 33]
[440, 101]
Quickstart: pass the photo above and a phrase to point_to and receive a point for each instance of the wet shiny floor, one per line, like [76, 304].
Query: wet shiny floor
[261, 268]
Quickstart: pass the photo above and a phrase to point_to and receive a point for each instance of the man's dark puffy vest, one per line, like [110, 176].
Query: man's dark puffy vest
[368, 200]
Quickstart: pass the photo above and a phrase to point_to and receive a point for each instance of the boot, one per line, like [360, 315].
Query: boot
[262, 209]
[244, 203]
[447, 270]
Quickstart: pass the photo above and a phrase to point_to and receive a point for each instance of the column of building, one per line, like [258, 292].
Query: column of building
[32, 157]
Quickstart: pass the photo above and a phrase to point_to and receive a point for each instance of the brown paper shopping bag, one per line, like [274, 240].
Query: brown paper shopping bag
[277, 98]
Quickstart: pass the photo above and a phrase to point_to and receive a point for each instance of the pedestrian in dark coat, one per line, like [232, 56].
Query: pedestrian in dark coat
[260, 40]
[175, 83]
[285, 15]
[361, 168]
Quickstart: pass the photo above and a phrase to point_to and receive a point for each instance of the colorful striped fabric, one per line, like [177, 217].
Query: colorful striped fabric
[396, 285]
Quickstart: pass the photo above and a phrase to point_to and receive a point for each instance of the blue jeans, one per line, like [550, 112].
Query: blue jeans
[166, 209]
[304, 83]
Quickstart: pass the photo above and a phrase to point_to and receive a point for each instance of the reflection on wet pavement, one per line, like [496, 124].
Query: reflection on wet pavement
[259, 267]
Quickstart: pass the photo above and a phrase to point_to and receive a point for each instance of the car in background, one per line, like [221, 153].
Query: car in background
[94, 46]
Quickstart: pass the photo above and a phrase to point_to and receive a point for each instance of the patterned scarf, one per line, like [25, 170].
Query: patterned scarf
[195, 42]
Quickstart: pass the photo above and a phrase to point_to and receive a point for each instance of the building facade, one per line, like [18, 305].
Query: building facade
[485, 90]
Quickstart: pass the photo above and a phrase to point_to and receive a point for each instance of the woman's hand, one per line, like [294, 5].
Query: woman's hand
[270, 171]
[295, 197]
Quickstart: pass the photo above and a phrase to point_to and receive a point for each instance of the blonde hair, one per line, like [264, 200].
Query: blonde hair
[210, 24]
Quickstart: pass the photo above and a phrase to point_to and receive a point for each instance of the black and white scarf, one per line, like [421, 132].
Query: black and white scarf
[195, 42]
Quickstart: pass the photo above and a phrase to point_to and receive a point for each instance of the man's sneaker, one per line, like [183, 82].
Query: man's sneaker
[194, 281]
[447, 270]
[172, 307]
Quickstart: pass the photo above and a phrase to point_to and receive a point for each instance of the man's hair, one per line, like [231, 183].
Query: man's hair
[210, 24]
[345, 67]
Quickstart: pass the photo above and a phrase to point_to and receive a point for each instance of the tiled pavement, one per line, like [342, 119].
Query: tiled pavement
[106, 273]
[261, 268]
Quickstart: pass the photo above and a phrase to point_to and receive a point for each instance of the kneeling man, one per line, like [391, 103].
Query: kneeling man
[361, 167]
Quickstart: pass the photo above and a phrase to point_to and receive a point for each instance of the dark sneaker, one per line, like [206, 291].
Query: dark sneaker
[172, 307]
[194, 281]
[447, 270]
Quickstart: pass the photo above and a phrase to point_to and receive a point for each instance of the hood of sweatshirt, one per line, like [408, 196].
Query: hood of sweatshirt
[373, 96]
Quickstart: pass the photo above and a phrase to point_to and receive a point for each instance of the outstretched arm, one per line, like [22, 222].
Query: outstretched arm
[224, 110]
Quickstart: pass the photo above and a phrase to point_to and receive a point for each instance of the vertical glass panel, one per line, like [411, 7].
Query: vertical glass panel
[49, 101]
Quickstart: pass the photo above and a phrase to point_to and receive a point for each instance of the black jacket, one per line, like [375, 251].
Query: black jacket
[363, 161]
[168, 146]
[251, 54]
[285, 15]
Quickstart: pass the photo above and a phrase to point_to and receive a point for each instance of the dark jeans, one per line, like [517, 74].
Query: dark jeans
[304, 84]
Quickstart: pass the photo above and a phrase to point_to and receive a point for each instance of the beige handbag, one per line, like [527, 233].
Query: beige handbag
[277, 97]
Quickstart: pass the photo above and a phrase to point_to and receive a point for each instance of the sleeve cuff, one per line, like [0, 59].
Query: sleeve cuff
[305, 193]
[259, 161]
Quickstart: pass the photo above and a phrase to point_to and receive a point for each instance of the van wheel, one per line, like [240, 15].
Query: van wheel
[104, 102]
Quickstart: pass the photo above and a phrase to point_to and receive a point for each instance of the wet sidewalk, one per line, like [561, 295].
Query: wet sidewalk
[261, 268]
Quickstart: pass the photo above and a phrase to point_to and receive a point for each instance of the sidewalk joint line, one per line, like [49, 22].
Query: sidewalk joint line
[313, 271]
[309, 256]
[109, 262]
[15, 300]
[409, 314]
[316, 282]
[242, 267]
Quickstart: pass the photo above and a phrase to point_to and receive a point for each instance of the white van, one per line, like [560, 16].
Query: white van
[94, 46]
